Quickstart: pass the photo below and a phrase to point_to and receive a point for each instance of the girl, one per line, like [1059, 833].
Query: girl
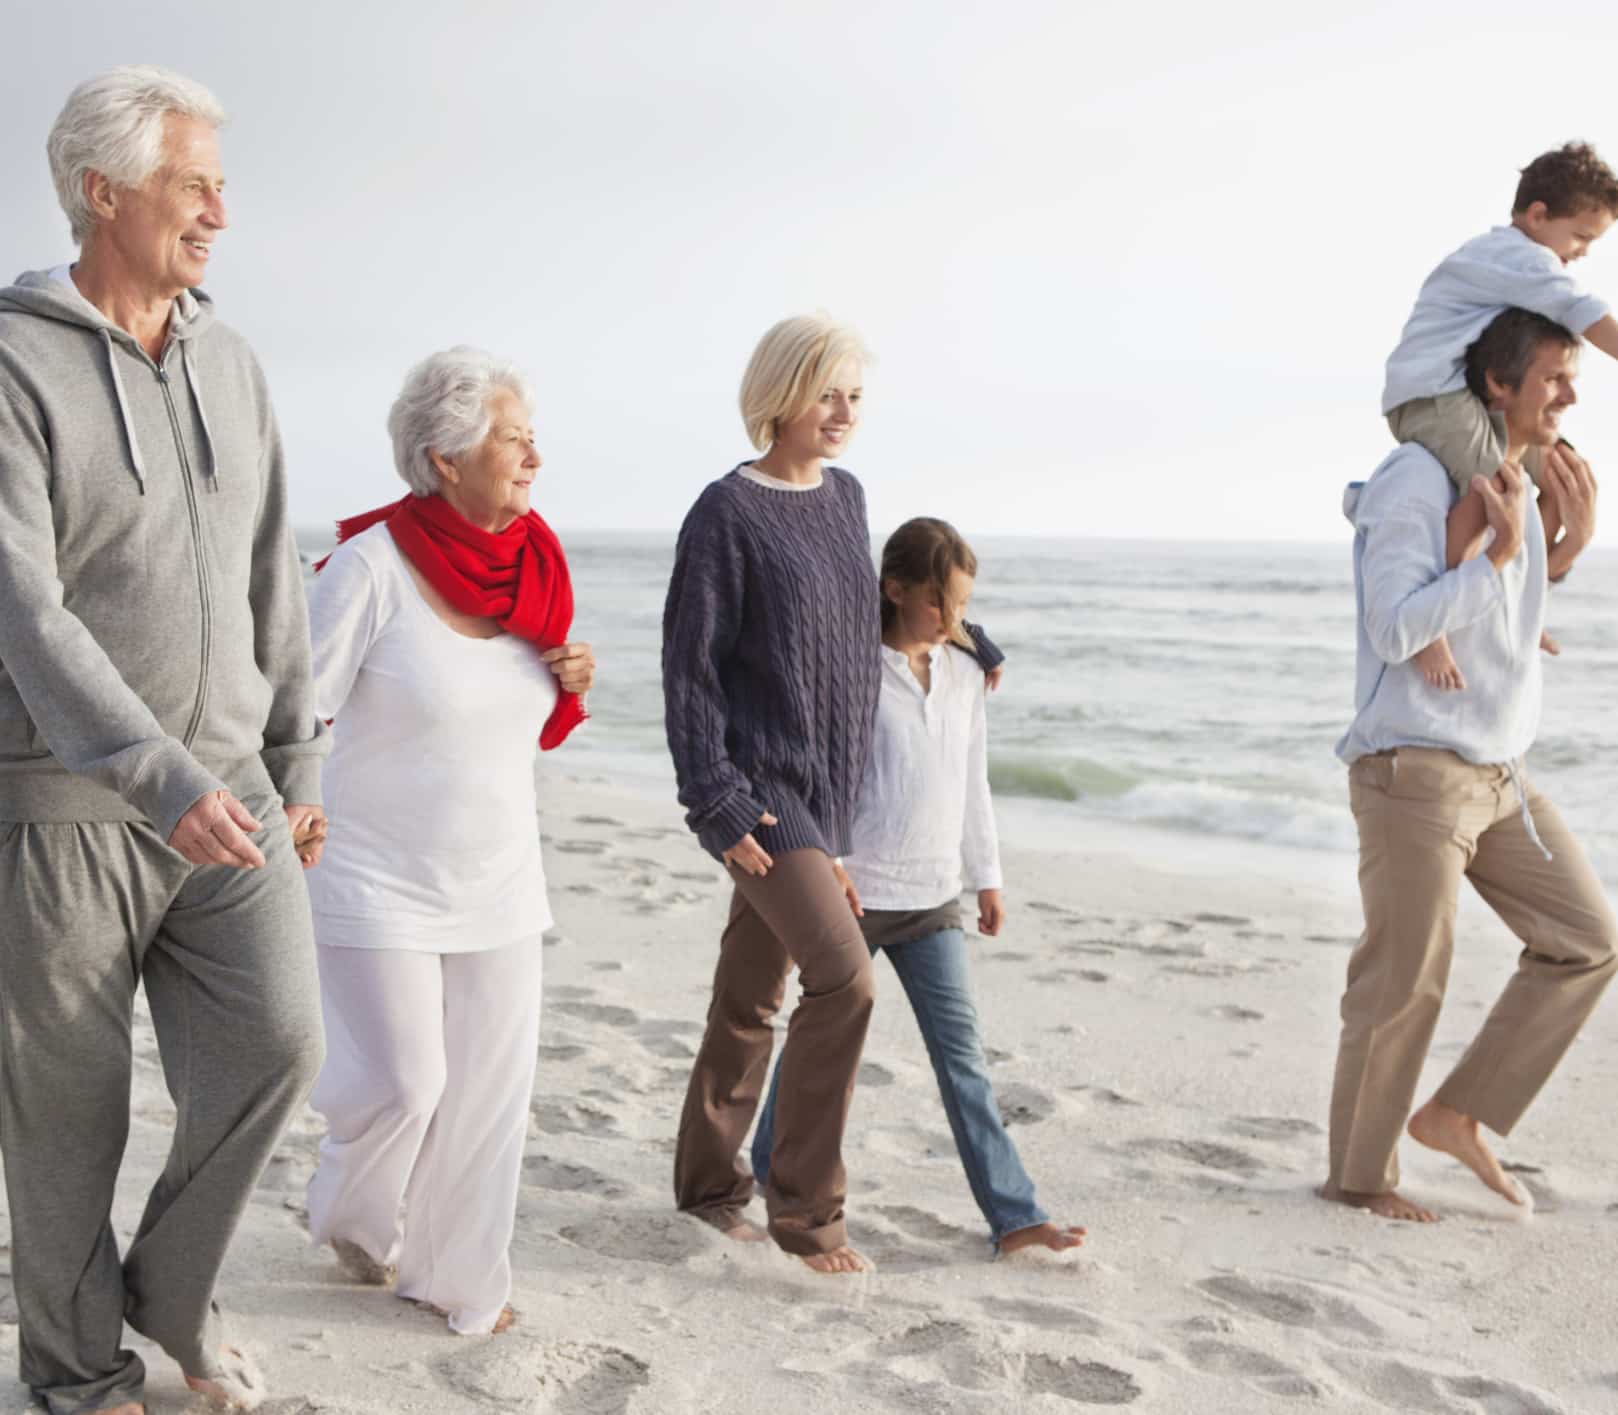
[923, 811]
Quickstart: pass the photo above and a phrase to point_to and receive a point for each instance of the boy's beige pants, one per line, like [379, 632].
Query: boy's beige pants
[1466, 437]
[1425, 819]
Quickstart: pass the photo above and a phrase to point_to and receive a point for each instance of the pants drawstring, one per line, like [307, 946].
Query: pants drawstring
[1527, 815]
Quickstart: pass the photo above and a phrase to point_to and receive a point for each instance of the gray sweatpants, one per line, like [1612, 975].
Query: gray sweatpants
[227, 956]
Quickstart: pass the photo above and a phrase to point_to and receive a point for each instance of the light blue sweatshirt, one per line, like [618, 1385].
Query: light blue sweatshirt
[1458, 301]
[1405, 599]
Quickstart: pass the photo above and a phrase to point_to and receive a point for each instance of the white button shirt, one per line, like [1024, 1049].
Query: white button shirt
[924, 815]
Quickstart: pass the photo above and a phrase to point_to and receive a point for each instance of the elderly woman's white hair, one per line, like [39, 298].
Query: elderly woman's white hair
[113, 124]
[794, 363]
[444, 408]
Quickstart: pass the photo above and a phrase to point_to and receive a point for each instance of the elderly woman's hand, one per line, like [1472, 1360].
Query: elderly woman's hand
[574, 666]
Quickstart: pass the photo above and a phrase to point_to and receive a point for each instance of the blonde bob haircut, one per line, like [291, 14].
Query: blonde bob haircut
[792, 366]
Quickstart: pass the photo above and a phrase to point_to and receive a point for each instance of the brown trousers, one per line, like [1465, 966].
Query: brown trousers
[795, 915]
[1426, 818]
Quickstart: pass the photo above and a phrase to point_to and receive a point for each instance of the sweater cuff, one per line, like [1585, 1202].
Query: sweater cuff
[168, 788]
[726, 823]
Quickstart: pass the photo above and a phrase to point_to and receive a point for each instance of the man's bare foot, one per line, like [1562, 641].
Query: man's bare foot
[1386, 1205]
[237, 1386]
[1439, 668]
[1043, 1235]
[1547, 644]
[361, 1266]
[1442, 1127]
[838, 1260]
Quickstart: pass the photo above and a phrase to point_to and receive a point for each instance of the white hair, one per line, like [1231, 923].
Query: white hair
[113, 124]
[444, 408]
[790, 369]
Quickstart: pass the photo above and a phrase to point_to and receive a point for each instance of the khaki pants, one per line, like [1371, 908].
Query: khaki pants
[1425, 819]
[1465, 436]
[796, 914]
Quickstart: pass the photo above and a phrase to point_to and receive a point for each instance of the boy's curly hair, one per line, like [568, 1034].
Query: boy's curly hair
[1569, 179]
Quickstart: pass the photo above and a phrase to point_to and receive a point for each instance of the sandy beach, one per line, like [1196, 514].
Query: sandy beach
[1161, 1020]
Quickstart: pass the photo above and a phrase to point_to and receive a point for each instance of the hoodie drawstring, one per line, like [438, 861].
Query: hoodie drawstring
[202, 414]
[1527, 815]
[135, 459]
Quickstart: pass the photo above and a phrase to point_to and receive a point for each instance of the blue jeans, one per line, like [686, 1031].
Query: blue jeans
[933, 971]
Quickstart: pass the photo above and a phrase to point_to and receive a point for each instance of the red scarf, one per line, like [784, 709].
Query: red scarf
[517, 577]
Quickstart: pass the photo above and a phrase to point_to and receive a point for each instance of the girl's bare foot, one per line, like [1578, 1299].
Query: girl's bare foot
[1438, 667]
[237, 1385]
[1442, 1127]
[361, 1266]
[1043, 1235]
[838, 1260]
[1385, 1205]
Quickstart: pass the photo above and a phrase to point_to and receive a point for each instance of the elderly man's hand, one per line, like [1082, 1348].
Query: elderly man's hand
[211, 833]
[308, 825]
[574, 666]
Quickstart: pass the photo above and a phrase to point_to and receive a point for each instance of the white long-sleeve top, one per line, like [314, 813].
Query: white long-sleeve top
[924, 813]
[434, 840]
[1457, 302]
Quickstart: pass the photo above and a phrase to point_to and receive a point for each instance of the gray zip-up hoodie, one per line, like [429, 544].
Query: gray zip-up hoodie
[154, 644]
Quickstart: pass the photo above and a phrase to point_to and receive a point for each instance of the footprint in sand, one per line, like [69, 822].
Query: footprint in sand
[559, 1051]
[1205, 1154]
[612, 821]
[557, 1117]
[1404, 1387]
[1105, 1095]
[542, 1172]
[1540, 1189]
[1289, 1303]
[582, 887]
[667, 1239]
[581, 847]
[568, 992]
[918, 1223]
[604, 1012]
[1213, 1357]
[1007, 956]
[548, 1378]
[1272, 1127]
[1088, 949]
[666, 1038]
[1233, 1012]
[1083, 1382]
[995, 1057]
[1024, 1105]
[304, 1405]
[1051, 1316]
[874, 1073]
[1224, 920]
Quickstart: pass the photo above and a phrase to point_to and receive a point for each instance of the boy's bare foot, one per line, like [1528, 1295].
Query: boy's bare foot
[839, 1260]
[237, 1386]
[1043, 1235]
[1547, 644]
[1442, 1127]
[1387, 1205]
[361, 1266]
[1439, 668]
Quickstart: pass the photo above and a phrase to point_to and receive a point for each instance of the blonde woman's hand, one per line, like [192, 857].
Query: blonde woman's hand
[574, 666]
[991, 912]
[747, 854]
[991, 679]
[849, 892]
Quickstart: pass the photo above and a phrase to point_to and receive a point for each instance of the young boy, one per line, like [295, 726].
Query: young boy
[1565, 202]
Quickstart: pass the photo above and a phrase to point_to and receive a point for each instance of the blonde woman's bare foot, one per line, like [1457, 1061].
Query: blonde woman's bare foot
[1438, 667]
[838, 1260]
[1042, 1235]
[746, 1231]
[361, 1266]
[505, 1321]
[1385, 1205]
[236, 1386]
[1441, 1127]
[1547, 644]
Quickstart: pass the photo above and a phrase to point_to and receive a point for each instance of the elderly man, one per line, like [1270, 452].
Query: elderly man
[1439, 790]
[155, 714]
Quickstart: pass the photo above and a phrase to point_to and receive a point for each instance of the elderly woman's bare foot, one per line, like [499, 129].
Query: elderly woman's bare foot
[1442, 1127]
[838, 1260]
[1042, 1235]
[505, 1321]
[236, 1386]
[1388, 1204]
[361, 1266]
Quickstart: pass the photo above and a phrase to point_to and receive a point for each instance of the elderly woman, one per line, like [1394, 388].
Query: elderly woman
[770, 675]
[439, 627]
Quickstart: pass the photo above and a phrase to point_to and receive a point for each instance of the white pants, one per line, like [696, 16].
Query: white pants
[429, 1069]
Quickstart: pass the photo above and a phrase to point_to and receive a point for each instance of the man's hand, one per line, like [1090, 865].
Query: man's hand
[574, 666]
[747, 854]
[849, 892]
[1569, 479]
[1506, 509]
[308, 824]
[991, 912]
[211, 833]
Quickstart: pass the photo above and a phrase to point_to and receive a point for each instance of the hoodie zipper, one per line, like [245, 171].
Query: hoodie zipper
[202, 559]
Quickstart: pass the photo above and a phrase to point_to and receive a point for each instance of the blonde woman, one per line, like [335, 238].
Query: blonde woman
[770, 674]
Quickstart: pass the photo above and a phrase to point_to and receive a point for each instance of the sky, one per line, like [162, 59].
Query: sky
[1127, 271]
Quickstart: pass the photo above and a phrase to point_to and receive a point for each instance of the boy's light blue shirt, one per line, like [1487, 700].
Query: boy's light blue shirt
[1405, 599]
[1490, 273]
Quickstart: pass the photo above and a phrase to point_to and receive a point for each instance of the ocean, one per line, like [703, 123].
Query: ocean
[1192, 687]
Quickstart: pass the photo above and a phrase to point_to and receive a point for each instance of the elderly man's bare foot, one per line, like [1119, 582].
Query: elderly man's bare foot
[1442, 1127]
[237, 1386]
[361, 1266]
[838, 1260]
[1390, 1204]
[1043, 1235]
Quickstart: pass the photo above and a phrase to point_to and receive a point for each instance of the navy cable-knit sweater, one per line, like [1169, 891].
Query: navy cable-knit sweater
[770, 662]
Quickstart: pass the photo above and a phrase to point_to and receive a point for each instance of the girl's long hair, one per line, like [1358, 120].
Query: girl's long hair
[926, 551]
